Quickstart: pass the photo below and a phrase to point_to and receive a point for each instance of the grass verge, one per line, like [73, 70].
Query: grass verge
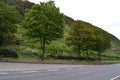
[110, 58]
[59, 61]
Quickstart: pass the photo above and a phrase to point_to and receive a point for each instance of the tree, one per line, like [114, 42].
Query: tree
[103, 41]
[81, 36]
[8, 24]
[21, 6]
[44, 22]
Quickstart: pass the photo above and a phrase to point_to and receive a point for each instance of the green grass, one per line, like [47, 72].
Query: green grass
[27, 59]
[111, 55]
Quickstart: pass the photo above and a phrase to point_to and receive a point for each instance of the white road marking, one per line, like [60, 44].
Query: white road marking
[4, 73]
[115, 77]
[52, 70]
[69, 68]
[28, 71]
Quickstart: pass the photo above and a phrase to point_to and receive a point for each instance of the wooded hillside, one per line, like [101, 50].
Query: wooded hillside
[82, 38]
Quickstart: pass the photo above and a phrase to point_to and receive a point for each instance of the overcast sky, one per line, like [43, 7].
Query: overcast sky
[102, 13]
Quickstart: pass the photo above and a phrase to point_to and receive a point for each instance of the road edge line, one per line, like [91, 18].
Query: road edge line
[28, 71]
[51, 70]
[3, 73]
[115, 77]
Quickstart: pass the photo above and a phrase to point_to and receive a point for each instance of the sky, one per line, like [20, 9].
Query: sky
[101, 13]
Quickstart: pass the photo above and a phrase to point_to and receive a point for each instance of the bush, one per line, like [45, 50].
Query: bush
[27, 51]
[8, 53]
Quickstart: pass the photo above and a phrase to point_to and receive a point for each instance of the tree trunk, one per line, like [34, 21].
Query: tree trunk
[78, 52]
[43, 48]
[99, 56]
[94, 56]
[87, 55]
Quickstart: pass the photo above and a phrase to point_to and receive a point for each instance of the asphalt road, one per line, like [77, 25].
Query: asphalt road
[60, 72]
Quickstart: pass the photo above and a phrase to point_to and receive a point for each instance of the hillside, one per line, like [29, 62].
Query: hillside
[23, 5]
[115, 42]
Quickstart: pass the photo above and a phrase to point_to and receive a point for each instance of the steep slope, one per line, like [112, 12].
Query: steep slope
[23, 5]
[115, 42]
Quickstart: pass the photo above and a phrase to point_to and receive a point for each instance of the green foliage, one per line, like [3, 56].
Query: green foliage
[44, 22]
[26, 51]
[29, 47]
[81, 36]
[10, 51]
[84, 36]
[103, 40]
[21, 6]
[56, 48]
[8, 24]
[110, 55]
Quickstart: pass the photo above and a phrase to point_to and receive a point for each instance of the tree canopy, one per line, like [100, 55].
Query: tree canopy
[84, 36]
[44, 22]
[81, 36]
[8, 24]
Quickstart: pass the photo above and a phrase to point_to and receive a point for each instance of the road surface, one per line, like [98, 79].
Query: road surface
[17, 71]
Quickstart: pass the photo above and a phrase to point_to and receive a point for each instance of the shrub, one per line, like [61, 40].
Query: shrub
[8, 53]
[27, 51]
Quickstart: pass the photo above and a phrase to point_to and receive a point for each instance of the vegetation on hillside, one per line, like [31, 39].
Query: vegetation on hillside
[8, 24]
[40, 25]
